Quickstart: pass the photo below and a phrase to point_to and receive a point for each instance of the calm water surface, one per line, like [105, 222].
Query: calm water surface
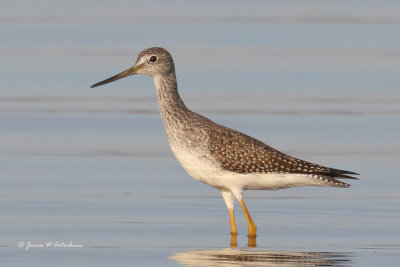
[91, 168]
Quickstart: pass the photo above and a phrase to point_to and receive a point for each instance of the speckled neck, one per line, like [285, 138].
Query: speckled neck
[173, 111]
[168, 96]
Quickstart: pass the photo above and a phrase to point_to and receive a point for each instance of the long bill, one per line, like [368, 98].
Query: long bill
[121, 75]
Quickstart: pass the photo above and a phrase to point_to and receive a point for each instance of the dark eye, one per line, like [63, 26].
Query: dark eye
[153, 59]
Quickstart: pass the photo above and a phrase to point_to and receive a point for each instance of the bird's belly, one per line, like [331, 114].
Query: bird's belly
[269, 181]
[208, 172]
[198, 167]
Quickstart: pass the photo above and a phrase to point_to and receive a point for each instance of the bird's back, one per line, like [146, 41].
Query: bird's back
[239, 153]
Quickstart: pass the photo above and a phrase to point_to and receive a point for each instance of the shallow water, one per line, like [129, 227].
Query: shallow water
[91, 168]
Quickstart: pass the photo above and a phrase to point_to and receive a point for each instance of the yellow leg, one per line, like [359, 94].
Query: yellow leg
[233, 224]
[233, 229]
[252, 225]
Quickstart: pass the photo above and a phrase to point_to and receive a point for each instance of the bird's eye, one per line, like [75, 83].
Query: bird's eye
[153, 59]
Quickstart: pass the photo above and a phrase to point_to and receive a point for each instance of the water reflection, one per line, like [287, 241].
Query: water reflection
[247, 257]
[251, 241]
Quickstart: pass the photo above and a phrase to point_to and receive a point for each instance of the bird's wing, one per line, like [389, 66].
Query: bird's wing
[241, 153]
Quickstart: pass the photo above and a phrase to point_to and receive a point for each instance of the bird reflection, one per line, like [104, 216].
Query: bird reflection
[250, 257]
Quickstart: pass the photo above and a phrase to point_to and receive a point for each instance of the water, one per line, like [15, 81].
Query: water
[93, 167]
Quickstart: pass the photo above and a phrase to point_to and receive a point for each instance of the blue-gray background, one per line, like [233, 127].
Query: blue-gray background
[317, 79]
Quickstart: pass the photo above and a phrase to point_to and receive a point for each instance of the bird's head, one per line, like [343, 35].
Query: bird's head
[155, 61]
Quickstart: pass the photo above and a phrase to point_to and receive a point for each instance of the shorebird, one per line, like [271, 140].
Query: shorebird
[219, 156]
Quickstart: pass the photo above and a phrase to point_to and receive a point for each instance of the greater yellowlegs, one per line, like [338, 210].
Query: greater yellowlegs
[219, 156]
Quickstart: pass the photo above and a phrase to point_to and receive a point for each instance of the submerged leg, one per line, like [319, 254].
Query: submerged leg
[233, 240]
[252, 241]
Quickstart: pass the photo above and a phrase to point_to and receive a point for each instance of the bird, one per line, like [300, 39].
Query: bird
[219, 156]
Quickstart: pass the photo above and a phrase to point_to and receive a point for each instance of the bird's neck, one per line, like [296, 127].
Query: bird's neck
[179, 121]
[170, 103]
